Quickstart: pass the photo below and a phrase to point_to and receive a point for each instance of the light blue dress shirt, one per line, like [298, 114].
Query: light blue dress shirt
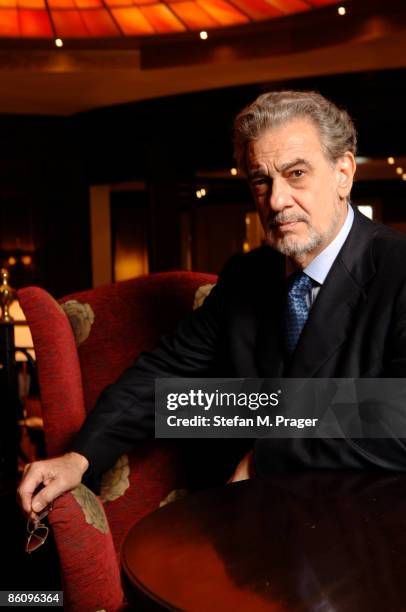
[320, 266]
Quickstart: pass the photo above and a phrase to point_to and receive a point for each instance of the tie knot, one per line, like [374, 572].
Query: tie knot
[299, 284]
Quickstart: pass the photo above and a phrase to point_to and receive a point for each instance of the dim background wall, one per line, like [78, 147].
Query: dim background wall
[48, 164]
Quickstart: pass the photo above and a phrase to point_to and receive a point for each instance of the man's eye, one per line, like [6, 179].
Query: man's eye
[259, 182]
[297, 173]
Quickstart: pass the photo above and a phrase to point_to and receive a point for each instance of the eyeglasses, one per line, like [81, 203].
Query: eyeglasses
[37, 531]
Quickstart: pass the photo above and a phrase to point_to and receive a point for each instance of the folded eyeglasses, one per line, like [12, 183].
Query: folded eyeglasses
[37, 531]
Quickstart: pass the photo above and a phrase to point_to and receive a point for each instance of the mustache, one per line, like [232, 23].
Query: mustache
[286, 218]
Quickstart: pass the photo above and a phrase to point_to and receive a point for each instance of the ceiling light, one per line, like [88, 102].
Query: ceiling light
[234, 171]
[203, 191]
[203, 35]
[391, 161]
[341, 10]
[58, 42]
[198, 194]
[404, 176]
[399, 170]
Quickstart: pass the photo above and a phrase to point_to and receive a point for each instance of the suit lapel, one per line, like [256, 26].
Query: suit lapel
[328, 324]
[330, 318]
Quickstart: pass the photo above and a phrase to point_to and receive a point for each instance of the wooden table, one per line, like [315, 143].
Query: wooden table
[317, 542]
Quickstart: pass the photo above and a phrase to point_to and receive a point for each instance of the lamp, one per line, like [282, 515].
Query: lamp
[7, 296]
[11, 313]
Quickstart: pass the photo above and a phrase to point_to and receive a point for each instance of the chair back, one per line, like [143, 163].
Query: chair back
[85, 341]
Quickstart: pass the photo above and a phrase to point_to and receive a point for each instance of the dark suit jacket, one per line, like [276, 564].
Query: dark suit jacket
[356, 328]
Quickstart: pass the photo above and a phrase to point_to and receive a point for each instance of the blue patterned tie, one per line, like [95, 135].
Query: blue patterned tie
[297, 310]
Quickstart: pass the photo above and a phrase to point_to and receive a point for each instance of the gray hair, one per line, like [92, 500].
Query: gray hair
[269, 110]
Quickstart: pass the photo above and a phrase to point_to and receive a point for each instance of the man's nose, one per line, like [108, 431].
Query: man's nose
[279, 196]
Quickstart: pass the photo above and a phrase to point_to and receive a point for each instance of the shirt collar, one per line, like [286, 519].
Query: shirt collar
[320, 266]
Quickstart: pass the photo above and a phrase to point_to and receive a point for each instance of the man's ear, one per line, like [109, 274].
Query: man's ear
[345, 170]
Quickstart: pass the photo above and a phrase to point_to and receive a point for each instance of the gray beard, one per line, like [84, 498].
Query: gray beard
[291, 247]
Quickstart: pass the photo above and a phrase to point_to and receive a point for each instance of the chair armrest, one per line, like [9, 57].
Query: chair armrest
[89, 564]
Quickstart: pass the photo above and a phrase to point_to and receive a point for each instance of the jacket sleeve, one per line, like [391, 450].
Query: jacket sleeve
[124, 412]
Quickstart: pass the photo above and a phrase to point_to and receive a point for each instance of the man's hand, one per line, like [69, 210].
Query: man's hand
[245, 469]
[56, 475]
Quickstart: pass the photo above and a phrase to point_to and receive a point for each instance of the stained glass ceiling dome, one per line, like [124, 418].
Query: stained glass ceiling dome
[83, 19]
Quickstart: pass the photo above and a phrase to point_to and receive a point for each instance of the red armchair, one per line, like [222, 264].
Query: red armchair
[82, 344]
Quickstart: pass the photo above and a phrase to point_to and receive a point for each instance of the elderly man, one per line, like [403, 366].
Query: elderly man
[325, 298]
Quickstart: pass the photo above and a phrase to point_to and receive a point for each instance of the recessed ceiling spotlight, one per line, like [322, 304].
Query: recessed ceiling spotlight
[58, 42]
[341, 10]
[399, 170]
[203, 35]
[391, 161]
[233, 171]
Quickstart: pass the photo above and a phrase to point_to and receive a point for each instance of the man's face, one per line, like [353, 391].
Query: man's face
[301, 195]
